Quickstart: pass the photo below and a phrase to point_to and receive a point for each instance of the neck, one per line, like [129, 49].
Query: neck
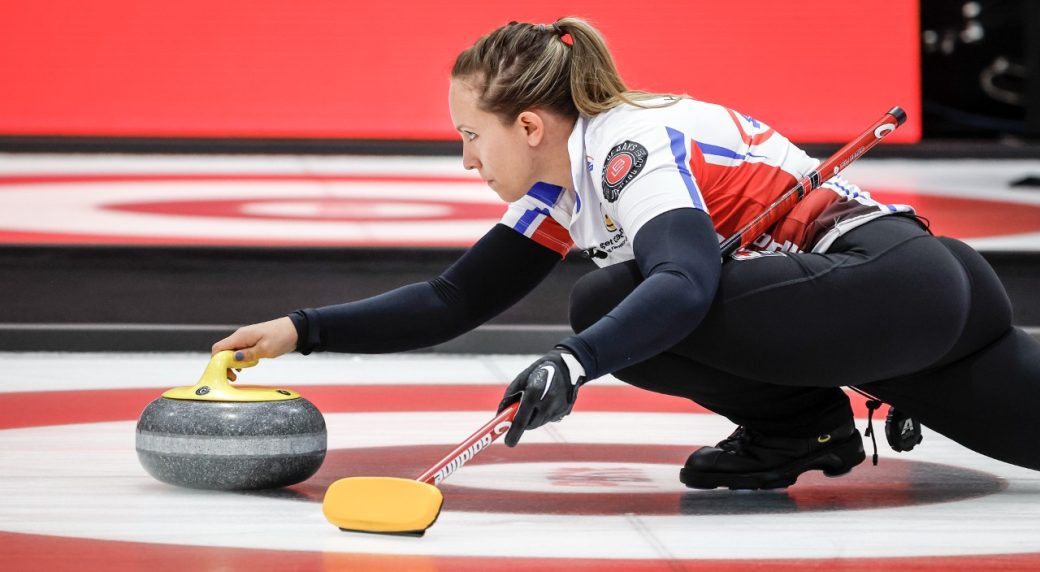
[556, 157]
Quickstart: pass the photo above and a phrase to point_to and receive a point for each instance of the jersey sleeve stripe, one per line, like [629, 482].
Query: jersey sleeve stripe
[553, 236]
[678, 145]
[525, 220]
[540, 227]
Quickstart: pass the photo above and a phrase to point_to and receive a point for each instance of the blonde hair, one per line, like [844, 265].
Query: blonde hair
[522, 66]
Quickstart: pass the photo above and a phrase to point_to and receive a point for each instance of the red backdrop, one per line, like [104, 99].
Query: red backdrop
[817, 70]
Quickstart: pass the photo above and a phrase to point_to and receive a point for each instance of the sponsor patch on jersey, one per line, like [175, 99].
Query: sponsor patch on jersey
[622, 165]
[609, 223]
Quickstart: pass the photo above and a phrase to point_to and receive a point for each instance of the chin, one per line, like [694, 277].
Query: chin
[512, 197]
[507, 195]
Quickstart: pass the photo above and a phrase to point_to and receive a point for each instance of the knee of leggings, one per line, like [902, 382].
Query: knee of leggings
[598, 292]
[584, 307]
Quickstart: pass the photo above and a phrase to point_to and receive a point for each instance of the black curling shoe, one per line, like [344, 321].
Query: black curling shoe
[748, 459]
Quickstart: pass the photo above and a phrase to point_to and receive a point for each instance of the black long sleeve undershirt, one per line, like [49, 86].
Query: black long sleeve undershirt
[495, 273]
[677, 253]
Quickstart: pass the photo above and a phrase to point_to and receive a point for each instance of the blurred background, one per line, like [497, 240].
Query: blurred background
[113, 108]
[342, 71]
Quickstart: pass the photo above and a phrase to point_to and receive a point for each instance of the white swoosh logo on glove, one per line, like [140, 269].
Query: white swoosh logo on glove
[551, 372]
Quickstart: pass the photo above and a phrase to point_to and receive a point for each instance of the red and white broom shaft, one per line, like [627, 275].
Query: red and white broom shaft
[469, 448]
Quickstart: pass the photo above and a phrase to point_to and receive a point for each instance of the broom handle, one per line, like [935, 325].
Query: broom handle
[469, 448]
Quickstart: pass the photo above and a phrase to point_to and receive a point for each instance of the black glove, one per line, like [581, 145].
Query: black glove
[546, 391]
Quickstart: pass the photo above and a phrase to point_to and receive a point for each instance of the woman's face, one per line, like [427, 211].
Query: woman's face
[502, 153]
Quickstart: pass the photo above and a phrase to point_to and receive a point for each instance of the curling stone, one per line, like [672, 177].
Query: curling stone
[217, 436]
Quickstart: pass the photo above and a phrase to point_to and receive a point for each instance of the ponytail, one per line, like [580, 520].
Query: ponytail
[522, 66]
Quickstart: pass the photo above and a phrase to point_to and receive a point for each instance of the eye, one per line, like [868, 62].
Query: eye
[469, 135]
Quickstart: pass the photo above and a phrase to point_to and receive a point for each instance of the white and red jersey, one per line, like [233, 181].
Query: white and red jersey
[631, 164]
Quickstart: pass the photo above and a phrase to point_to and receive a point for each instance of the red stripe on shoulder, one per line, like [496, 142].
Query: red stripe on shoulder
[750, 140]
[553, 236]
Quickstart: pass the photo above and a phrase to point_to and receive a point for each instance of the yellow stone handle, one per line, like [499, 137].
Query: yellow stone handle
[223, 361]
[214, 384]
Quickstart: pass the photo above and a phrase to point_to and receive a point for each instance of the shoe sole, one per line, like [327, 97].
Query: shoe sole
[834, 461]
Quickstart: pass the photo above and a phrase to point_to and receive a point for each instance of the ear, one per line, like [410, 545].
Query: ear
[532, 125]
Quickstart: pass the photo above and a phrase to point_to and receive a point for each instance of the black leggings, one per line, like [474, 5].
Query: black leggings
[921, 322]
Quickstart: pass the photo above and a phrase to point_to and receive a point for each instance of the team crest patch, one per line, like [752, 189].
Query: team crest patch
[622, 165]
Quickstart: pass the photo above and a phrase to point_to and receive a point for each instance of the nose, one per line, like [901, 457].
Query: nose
[469, 159]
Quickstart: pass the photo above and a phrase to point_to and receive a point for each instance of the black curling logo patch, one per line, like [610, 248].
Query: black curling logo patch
[622, 165]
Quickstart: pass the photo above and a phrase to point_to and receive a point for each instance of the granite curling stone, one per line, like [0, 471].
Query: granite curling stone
[217, 436]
